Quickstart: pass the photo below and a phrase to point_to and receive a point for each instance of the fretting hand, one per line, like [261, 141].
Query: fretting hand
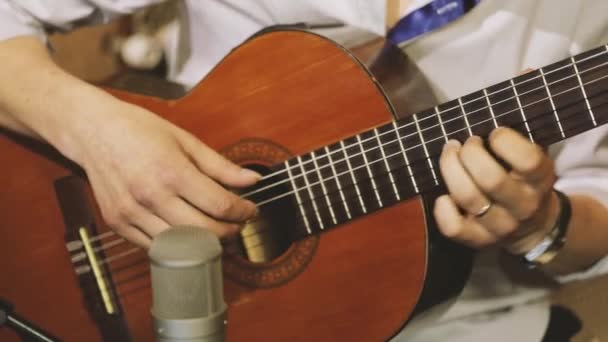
[488, 204]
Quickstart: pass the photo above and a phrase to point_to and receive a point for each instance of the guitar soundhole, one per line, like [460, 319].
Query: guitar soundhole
[266, 254]
[265, 237]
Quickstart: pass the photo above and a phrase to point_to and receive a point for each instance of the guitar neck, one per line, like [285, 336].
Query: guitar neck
[398, 160]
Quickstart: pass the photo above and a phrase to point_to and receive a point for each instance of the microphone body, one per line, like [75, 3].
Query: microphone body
[187, 288]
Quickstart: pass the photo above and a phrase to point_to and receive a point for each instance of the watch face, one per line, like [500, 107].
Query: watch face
[548, 248]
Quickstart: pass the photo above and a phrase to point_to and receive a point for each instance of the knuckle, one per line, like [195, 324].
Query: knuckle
[468, 201]
[120, 230]
[529, 208]
[168, 177]
[454, 230]
[223, 206]
[124, 210]
[146, 195]
[496, 185]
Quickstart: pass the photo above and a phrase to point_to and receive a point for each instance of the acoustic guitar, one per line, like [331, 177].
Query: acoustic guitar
[343, 248]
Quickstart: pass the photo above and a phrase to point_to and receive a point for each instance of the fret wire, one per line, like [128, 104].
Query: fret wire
[369, 171]
[497, 91]
[426, 184]
[352, 175]
[308, 187]
[485, 93]
[298, 199]
[407, 162]
[388, 169]
[464, 115]
[429, 183]
[322, 181]
[559, 124]
[428, 158]
[580, 82]
[589, 69]
[426, 152]
[441, 123]
[521, 110]
[338, 182]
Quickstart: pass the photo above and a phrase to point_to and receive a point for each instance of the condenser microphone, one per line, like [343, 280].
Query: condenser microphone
[187, 288]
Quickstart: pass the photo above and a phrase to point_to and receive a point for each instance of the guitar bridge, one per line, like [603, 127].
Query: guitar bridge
[86, 249]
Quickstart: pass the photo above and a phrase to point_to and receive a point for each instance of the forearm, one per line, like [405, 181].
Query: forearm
[175, 179]
[587, 237]
[38, 98]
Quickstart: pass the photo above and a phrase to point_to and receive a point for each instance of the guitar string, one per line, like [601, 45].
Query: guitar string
[396, 130]
[416, 146]
[481, 98]
[427, 181]
[83, 269]
[568, 118]
[441, 137]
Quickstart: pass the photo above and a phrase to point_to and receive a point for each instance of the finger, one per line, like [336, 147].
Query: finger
[133, 234]
[148, 222]
[178, 212]
[116, 209]
[459, 183]
[216, 166]
[494, 181]
[213, 199]
[525, 71]
[455, 226]
[498, 221]
[524, 157]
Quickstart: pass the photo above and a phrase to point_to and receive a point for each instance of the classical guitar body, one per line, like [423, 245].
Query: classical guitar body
[279, 95]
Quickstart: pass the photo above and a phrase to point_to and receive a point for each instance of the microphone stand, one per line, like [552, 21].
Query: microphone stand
[28, 331]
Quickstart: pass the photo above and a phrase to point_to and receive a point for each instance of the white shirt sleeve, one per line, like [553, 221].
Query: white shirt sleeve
[38, 17]
[582, 166]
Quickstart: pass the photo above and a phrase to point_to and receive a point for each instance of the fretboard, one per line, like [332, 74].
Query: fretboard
[398, 160]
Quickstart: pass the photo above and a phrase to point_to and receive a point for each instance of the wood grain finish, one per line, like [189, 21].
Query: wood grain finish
[297, 90]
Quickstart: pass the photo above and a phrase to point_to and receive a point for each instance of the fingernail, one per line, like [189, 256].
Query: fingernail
[452, 143]
[250, 174]
[495, 131]
[474, 139]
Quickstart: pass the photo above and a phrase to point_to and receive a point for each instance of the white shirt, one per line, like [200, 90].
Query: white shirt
[494, 42]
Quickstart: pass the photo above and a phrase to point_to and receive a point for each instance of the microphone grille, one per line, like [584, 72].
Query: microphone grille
[186, 273]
